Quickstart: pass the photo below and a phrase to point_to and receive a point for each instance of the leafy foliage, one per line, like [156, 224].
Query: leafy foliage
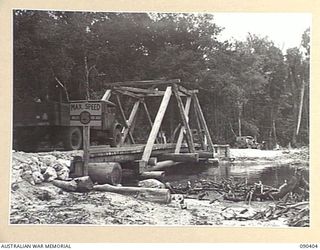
[248, 82]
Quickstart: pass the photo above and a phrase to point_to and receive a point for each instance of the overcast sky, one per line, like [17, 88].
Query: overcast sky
[285, 30]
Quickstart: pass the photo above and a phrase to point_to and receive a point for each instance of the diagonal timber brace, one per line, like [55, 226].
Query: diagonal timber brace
[182, 129]
[132, 116]
[184, 119]
[155, 129]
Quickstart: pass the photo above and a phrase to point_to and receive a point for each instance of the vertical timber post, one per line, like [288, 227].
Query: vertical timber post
[184, 120]
[155, 129]
[182, 129]
[199, 129]
[86, 146]
[203, 122]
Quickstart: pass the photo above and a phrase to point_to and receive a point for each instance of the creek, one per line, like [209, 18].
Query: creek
[269, 173]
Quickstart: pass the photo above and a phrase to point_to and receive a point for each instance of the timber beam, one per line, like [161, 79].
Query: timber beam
[203, 122]
[143, 83]
[184, 157]
[187, 91]
[128, 93]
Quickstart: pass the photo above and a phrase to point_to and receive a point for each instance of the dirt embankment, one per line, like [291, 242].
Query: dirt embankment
[292, 156]
[41, 202]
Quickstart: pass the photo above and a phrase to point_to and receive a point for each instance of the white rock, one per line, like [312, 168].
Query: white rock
[66, 163]
[34, 167]
[37, 177]
[48, 159]
[27, 176]
[43, 167]
[50, 174]
[57, 166]
[63, 173]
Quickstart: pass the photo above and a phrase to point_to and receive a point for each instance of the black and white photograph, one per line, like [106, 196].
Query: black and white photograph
[160, 119]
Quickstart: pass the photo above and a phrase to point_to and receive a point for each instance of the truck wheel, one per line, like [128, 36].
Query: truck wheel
[116, 138]
[72, 138]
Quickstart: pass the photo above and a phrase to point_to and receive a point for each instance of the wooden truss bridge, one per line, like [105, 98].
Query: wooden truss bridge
[182, 148]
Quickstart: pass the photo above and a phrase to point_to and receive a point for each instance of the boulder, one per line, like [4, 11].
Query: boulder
[50, 174]
[37, 177]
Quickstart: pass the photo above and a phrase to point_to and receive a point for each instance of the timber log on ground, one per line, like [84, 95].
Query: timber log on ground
[149, 194]
[106, 172]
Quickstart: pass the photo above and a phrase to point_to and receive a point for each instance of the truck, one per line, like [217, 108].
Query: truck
[246, 142]
[49, 121]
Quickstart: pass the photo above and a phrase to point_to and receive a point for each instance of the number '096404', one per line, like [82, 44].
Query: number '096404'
[308, 246]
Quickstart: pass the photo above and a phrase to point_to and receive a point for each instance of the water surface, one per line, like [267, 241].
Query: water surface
[270, 173]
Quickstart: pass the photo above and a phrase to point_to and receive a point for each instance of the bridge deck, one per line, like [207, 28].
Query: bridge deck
[129, 152]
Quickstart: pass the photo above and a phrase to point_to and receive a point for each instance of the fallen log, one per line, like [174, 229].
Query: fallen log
[163, 164]
[69, 186]
[147, 194]
[81, 184]
[84, 184]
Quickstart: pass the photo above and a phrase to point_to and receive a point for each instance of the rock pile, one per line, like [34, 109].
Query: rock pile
[41, 167]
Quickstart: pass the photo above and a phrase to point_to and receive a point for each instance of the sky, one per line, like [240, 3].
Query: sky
[284, 29]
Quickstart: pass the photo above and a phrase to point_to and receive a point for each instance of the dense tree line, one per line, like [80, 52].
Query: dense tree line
[248, 88]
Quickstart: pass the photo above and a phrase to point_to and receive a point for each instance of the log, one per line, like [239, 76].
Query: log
[159, 175]
[105, 172]
[70, 186]
[205, 154]
[183, 157]
[81, 184]
[84, 184]
[214, 161]
[147, 194]
[162, 164]
[152, 161]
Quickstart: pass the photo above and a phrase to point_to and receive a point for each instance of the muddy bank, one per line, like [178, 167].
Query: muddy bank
[43, 203]
[46, 204]
[294, 156]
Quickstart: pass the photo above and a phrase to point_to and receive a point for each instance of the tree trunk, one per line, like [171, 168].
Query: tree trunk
[273, 133]
[239, 120]
[295, 98]
[300, 108]
[86, 77]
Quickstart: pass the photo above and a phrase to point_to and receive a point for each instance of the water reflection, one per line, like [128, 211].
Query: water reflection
[273, 174]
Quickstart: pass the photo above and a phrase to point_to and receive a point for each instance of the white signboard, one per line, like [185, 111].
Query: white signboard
[85, 113]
